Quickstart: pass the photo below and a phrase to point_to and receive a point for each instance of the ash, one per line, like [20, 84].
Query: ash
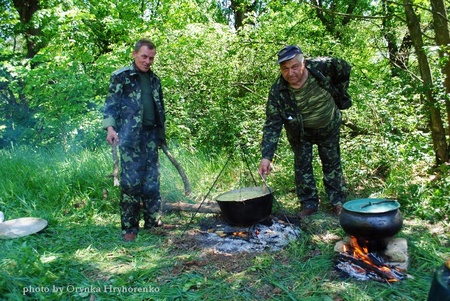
[355, 271]
[383, 273]
[257, 238]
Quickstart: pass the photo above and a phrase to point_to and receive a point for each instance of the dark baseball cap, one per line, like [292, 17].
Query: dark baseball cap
[288, 53]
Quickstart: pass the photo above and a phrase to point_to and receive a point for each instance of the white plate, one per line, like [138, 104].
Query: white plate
[21, 227]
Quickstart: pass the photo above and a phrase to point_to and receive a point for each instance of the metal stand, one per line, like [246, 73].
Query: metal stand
[246, 161]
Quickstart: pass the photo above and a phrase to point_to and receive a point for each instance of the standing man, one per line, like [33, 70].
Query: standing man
[302, 100]
[134, 118]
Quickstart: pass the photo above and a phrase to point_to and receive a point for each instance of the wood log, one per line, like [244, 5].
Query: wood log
[381, 270]
[180, 206]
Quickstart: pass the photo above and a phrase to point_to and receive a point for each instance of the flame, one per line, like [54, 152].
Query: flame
[358, 251]
[239, 233]
[361, 253]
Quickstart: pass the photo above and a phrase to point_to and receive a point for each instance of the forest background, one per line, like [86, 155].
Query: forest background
[216, 60]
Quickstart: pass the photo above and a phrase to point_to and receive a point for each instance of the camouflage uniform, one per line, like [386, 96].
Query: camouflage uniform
[138, 146]
[282, 109]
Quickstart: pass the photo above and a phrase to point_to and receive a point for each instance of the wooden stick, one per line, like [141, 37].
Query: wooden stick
[187, 185]
[184, 178]
[116, 164]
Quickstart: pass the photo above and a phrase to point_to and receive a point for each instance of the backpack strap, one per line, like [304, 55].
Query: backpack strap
[333, 75]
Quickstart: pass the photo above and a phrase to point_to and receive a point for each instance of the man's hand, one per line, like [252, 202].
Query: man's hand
[265, 167]
[112, 137]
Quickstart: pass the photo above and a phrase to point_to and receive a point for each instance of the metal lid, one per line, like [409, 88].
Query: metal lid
[371, 205]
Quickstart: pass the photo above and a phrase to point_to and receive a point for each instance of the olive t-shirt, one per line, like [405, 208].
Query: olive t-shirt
[147, 100]
[316, 104]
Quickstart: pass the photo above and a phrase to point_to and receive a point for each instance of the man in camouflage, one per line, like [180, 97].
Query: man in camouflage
[302, 100]
[134, 118]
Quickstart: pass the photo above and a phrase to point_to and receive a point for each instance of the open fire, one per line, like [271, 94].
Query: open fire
[356, 261]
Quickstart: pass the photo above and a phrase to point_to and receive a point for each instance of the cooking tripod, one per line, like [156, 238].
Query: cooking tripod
[247, 162]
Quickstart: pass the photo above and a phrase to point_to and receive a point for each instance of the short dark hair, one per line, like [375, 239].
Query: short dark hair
[144, 42]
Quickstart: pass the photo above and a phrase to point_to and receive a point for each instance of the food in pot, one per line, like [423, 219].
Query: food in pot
[240, 195]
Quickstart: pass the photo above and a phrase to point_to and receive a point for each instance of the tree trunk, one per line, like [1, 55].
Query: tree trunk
[442, 38]
[325, 12]
[26, 10]
[398, 55]
[239, 13]
[240, 9]
[431, 104]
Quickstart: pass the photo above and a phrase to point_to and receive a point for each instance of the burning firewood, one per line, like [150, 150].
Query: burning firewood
[356, 262]
[362, 269]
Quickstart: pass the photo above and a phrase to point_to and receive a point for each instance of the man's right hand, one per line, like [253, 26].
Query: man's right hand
[112, 137]
[265, 167]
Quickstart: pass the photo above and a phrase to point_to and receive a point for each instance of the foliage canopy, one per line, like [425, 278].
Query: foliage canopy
[55, 65]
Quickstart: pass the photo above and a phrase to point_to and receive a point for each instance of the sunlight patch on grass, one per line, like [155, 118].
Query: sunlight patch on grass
[48, 258]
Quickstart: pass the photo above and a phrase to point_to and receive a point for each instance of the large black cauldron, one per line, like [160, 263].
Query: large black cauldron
[246, 206]
[440, 286]
[371, 219]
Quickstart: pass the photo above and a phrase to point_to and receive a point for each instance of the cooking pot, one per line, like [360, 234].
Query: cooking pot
[371, 218]
[440, 286]
[246, 206]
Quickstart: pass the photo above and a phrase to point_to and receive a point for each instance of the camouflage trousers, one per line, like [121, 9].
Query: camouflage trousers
[139, 183]
[327, 141]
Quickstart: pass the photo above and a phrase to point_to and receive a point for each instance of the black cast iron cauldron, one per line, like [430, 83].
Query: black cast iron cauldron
[440, 286]
[246, 206]
[371, 219]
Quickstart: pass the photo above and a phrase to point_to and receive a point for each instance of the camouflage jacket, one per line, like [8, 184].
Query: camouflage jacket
[124, 109]
[333, 74]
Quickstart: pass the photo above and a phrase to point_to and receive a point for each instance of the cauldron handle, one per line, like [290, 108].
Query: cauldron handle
[376, 203]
